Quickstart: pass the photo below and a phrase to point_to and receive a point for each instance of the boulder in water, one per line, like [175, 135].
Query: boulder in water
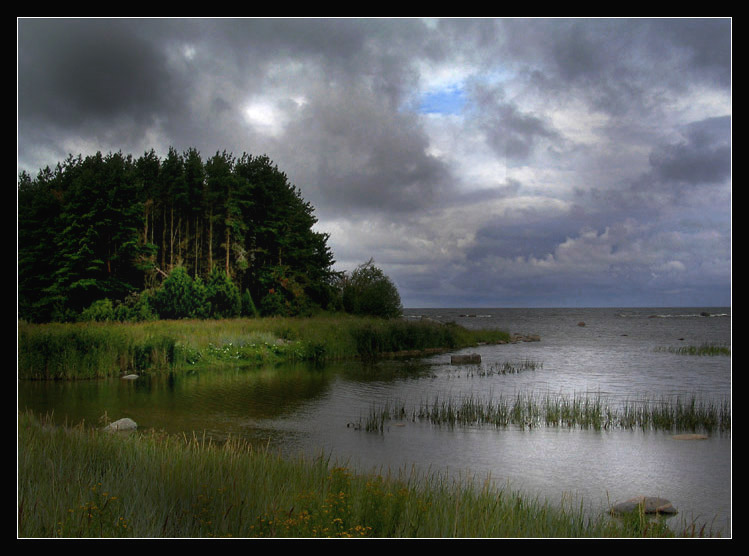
[689, 436]
[124, 424]
[646, 504]
[468, 359]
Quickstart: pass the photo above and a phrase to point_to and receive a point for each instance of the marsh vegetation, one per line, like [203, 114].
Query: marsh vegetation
[81, 482]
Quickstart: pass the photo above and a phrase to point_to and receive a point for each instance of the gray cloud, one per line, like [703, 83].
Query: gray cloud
[587, 162]
[703, 157]
[73, 73]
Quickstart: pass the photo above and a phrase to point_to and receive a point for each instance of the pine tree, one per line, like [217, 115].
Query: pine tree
[106, 227]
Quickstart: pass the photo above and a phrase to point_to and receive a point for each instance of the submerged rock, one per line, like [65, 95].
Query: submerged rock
[689, 436]
[468, 359]
[646, 504]
[124, 424]
[515, 338]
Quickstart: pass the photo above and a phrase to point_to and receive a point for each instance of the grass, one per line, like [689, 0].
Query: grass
[505, 368]
[703, 349]
[579, 411]
[97, 350]
[81, 482]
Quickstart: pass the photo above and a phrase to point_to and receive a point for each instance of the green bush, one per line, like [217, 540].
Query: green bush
[222, 295]
[100, 311]
[368, 291]
[181, 297]
[248, 305]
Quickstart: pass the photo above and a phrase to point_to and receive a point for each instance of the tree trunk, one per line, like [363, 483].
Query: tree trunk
[228, 239]
[210, 240]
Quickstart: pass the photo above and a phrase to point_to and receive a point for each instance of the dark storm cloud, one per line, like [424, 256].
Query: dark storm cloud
[509, 131]
[695, 169]
[620, 65]
[703, 157]
[72, 73]
[365, 157]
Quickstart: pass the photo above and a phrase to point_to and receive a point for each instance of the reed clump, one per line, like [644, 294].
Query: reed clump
[701, 350]
[79, 482]
[105, 349]
[584, 411]
[507, 367]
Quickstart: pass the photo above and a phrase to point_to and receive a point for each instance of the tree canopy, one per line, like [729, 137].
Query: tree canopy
[233, 231]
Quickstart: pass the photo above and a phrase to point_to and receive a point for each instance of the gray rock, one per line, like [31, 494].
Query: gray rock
[468, 359]
[689, 437]
[129, 377]
[124, 424]
[516, 338]
[646, 504]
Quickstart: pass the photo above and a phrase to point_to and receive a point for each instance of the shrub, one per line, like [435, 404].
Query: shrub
[248, 305]
[100, 310]
[136, 307]
[275, 304]
[368, 291]
[181, 297]
[222, 295]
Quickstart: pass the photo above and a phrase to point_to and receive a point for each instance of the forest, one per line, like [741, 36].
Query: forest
[117, 237]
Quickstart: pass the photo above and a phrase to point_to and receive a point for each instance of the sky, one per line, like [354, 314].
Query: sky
[479, 162]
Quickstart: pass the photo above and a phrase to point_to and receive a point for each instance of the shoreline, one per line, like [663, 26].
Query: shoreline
[97, 350]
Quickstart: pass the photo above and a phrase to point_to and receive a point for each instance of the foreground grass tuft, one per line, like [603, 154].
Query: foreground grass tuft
[80, 482]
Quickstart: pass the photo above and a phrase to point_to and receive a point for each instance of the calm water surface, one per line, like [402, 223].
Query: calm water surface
[618, 354]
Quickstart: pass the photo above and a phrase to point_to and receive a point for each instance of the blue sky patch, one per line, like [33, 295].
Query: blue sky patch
[445, 101]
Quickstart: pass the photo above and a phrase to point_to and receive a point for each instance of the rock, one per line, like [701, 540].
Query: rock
[129, 377]
[515, 338]
[689, 437]
[124, 424]
[468, 359]
[581, 323]
[646, 504]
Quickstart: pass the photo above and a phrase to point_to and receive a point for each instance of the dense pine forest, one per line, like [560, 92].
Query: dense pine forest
[113, 236]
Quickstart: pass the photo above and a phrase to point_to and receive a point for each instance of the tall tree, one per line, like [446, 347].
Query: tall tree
[106, 226]
[172, 190]
[194, 190]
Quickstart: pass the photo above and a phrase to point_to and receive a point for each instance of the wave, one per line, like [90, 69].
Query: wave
[701, 315]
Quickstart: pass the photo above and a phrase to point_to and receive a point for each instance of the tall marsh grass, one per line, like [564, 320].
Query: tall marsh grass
[585, 411]
[96, 349]
[82, 482]
[702, 349]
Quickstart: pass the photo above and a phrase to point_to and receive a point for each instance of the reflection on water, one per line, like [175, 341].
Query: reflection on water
[311, 409]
